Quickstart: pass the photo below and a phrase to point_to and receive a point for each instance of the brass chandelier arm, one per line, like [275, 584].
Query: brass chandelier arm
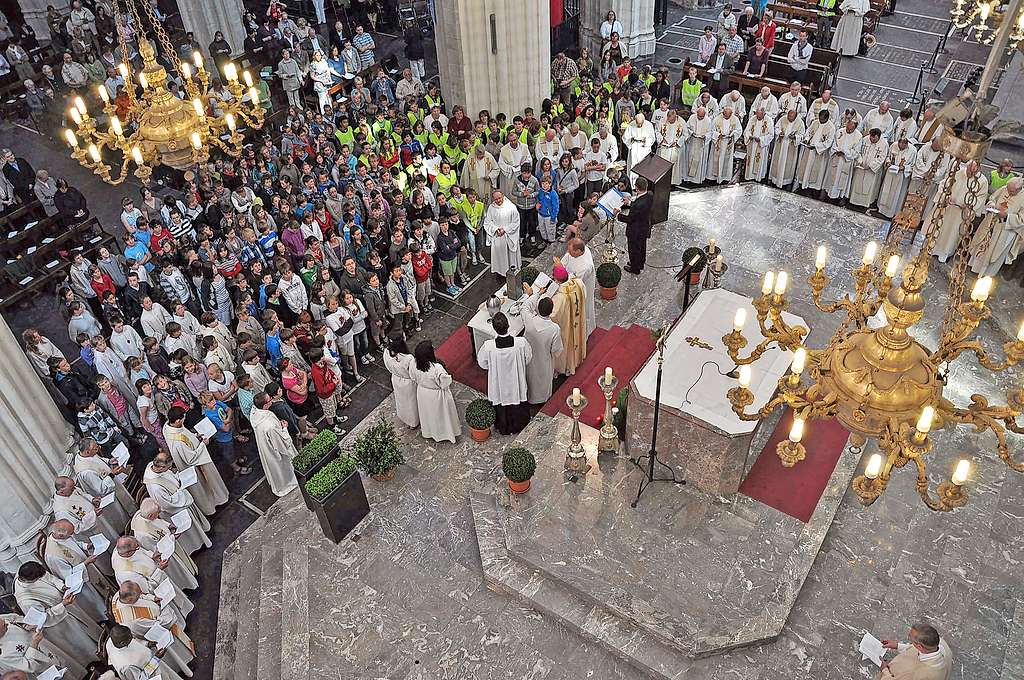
[1014, 354]
[983, 416]
[950, 496]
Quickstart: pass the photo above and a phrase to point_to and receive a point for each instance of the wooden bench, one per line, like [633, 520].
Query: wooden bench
[828, 59]
[806, 14]
[749, 86]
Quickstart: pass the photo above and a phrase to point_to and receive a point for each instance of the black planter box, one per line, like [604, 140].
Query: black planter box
[340, 512]
[301, 477]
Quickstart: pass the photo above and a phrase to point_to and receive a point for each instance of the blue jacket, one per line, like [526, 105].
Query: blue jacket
[548, 201]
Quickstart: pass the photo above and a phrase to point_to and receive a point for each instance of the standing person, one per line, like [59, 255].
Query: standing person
[524, 192]
[725, 132]
[579, 262]
[896, 178]
[925, 657]
[845, 151]
[329, 388]
[637, 217]
[814, 156]
[187, 449]
[799, 58]
[826, 15]
[639, 139]
[438, 414]
[401, 296]
[867, 169]
[846, 40]
[545, 338]
[291, 76]
[1003, 228]
[414, 51]
[548, 204]
[789, 135]
[501, 222]
[399, 362]
[223, 418]
[758, 136]
[274, 444]
[505, 359]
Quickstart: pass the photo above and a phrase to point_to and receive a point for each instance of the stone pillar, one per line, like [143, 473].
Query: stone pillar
[35, 446]
[506, 70]
[636, 17]
[34, 12]
[206, 17]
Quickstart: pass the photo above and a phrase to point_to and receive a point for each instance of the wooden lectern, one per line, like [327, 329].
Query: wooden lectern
[658, 173]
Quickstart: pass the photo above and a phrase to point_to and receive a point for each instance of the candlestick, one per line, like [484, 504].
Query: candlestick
[821, 258]
[575, 456]
[870, 250]
[769, 283]
[781, 281]
[963, 468]
[744, 377]
[609, 440]
[874, 466]
[740, 319]
[892, 265]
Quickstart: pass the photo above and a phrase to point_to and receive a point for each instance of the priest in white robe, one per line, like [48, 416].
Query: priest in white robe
[905, 126]
[545, 338]
[146, 568]
[928, 156]
[501, 223]
[139, 612]
[399, 360]
[134, 659]
[163, 487]
[481, 172]
[64, 554]
[672, 133]
[505, 359]
[275, 446]
[149, 529]
[845, 150]
[817, 147]
[154, 319]
[846, 39]
[929, 127]
[98, 477]
[609, 144]
[638, 139]
[880, 118]
[896, 178]
[725, 132]
[25, 648]
[823, 103]
[758, 136]
[767, 101]
[82, 510]
[794, 99]
[789, 136]
[510, 160]
[736, 102]
[949, 235]
[1002, 228]
[548, 146]
[867, 169]
[189, 450]
[579, 262]
[698, 147]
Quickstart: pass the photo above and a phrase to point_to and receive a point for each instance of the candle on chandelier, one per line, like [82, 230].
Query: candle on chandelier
[197, 141]
[197, 59]
[231, 71]
[769, 282]
[104, 95]
[781, 281]
[892, 265]
[143, 80]
[94, 153]
[186, 70]
[137, 155]
[821, 259]
[744, 377]
[75, 115]
[740, 319]
[80, 105]
[796, 433]
[924, 422]
[870, 250]
[115, 125]
[247, 78]
[122, 68]
[229, 119]
[254, 95]
[963, 468]
[73, 141]
[982, 289]
[873, 467]
[199, 108]
[576, 396]
[799, 360]
[1020, 333]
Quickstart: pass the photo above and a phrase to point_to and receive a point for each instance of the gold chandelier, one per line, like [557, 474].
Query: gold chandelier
[880, 383]
[159, 128]
[976, 15]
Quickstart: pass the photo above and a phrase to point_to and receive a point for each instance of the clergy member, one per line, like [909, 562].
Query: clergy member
[147, 568]
[139, 612]
[133, 658]
[930, 156]
[545, 338]
[274, 445]
[998, 239]
[510, 160]
[189, 450]
[163, 487]
[810, 169]
[638, 139]
[867, 169]
[725, 132]
[846, 39]
[698, 147]
[896, 180]
[505, 359]
[149, 529]
[72, 504]
[579, 262]
[949, 235]
[672, 135]
[501, 222]
[879, 118]
[789, 135]
[794, 99]
[63, 554]
[824, 102]
[758, 136]
[98, 478]
[845, 150]
[25, 648]
[569, 300]
[767, 101]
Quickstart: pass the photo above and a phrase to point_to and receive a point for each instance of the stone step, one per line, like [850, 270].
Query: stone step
[268, 639]
[247, 612]
[295, 613]
[227, 621]
[625, 640]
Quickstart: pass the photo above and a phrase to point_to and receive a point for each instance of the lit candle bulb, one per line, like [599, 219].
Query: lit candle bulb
[72, 140]
[870, 250]
[781, 281]
[143, 80]
[796, 433]
[80, 105]
[247, 78]
[769, 282]
[230, 71]
[198, 106]
[254, 95]
[197, 141]
[963, 468]
[982, 289]
[94, 153]
[230, 120]
[744, 378]
[821, 258]
[924, 422]
[740, 319]
[873, 467]
[122, 68]
[799, 360]
[75, 115]
[104, 95]
[115, 125]
[137, 155]
[186, 70]
[711, 245]
[1020, 333]
[197, 59]
[718, 263]
[576, 396]
[892, 265]
[608, 374]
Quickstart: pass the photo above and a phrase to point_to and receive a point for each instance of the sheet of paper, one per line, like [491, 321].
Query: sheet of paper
[48, 239]
[100, 543]
[12, 234]
[871, 648]
[30, 250]
[121, 477]
[52, 673]
[611, 201]
[51, 265]
[188, 477]
[165, 591]
[206, 428]
[120, 454]
[182, 521]
[107, 500]
[542, 280]
[161, 636]
[95, 239]
[25, 281]
[35, 617]
[78, 568]
[75, 582]
[165, 546]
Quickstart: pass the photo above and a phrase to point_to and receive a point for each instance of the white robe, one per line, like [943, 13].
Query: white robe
[584, 269]
[276, 450]
[146, 613]
[698, 147]
[16, 654]
[876, 119]
[165, 489]
[846, 39]
[770, 104]
[545, 339]
[439, 416]
[551, 150]
[724, 135]
[671, 146]
[144, 571]
[67, 627]
[817, 106]
[506, 371]
[95, 477]
[510, 160]
[127, 343]
[403, 387]
[110, 364]
[867, 172]
[188, 450]
[926, 157]
[61, 557]
[149, 533]
[845, 151]
[904, 128]
[896, 179]
[79, 510]
[1005, 233]
[638, 140]
[739, 104]
[810, 171]
[504, 248]
[949, 235]
[136, 661]
[795, 102]
[154, 321]
[788, 137]
[758, 137]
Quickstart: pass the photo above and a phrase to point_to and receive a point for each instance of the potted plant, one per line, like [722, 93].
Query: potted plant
[529, 274]
[379, 451]
[480, 417]
[518, 464]
[608, 276]
[338, 497]
[317, 453]
[698, 266]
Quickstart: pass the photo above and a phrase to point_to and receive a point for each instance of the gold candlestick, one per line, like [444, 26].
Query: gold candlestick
[609, 442]
[576, 457]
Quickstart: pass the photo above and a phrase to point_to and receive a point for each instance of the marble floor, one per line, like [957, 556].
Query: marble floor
[405, 598]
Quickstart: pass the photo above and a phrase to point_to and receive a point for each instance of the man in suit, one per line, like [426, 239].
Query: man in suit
[338, 36]
[719, 66]
[925, 657]
[20, 173]
[637, 217]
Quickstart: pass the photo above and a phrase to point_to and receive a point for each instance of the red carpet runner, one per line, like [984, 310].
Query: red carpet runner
[796, 490]
[457, 354]
[624, 349]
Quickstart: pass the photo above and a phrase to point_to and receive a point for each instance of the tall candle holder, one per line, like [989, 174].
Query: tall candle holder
[576, 457]
[609, 441]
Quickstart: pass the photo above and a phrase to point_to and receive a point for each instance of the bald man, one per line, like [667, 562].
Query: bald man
[638, 139]
[999, 238]
[140, 612]
[64, 554]
[961, 197]
[144, 567]
[150, 528]
[82, 510]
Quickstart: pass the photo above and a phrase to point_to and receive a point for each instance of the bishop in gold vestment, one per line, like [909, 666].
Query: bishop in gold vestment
[570, 313]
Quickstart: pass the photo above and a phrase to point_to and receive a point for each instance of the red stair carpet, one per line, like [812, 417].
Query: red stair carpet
[457, 354]
[796, 490]
[624, 349]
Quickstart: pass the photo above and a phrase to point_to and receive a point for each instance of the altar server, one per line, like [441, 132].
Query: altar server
[896, 180]
[154, 319]
[845, 150]
[698, 147]
[501, 222]
[949, 235]
[510, 160]
[879, 118]
[867, 169]
[758, 137]
[188, 449]
[63, 553]
[789, 135]
[846, 39]
[672, 135]
[545, 339]
[1003, 228]
[140, 612]
[638, 139]
[725, 132]
[505, 359]
[817, 145]
[163, 487]
[399, 362]
[905, 126]
[274, 445]
[438, 415]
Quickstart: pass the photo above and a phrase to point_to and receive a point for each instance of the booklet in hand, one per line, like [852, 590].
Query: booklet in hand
[100, 543]
[206, 428]
[165, 591]
[188, 477]
[182, 521]
[161, 636]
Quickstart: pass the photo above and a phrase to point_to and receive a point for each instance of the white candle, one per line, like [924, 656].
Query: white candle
[230, 71]
[870, 250]
[821, 258]
[892, 265]
[254, 95]
[711, 244]
[247, 78]
[186, 70]
[576, 396]
[197, 141]
[197, 58]
[94, 152]
[137, 155]
[229, 119]
[740, 319]
[963, 468]
[608, 374]
[1020, 333]
[115, 125]
[72, 140]
[718, 262]
[75, 115]
[982, 289]
[769, 282]
[924, 423]
[874, 466]
[796, 433]
[80, 105]
[143, 80]
[781, 280]
[744, 378]
[122, 68]
[104, 95]
[799, 359]
[200, 110]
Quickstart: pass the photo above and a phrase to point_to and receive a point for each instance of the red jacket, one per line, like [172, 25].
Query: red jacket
[103, 285]
[421, 264]
[324, 380]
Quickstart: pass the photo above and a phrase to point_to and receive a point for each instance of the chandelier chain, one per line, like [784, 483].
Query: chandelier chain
[957, 280]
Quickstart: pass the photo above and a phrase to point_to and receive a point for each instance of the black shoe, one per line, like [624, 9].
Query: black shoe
[632, 271]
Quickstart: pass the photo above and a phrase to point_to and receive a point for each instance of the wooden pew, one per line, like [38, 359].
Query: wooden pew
[824, 57]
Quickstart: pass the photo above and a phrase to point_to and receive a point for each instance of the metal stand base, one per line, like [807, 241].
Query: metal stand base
[649, 477]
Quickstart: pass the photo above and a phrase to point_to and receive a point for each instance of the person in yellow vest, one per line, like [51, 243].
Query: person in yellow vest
[826, 15]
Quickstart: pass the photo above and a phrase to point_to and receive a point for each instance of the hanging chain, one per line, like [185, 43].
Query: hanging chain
[120, 25]
[163, 38]
[958, 277]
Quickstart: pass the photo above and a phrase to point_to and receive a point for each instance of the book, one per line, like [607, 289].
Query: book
[871, 648]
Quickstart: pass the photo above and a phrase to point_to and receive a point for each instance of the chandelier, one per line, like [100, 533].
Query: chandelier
[158, 128]
[976, 15]
[876, 379]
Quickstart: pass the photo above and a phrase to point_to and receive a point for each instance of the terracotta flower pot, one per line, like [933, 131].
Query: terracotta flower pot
[519, 487]
[480, 435]
[694, 278]
[608, 293]
[385, 476]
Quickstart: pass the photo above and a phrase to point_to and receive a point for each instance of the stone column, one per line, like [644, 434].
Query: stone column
[35, 446]
[504, 69]
[206, 17]
[636, 17]
[34, 12]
